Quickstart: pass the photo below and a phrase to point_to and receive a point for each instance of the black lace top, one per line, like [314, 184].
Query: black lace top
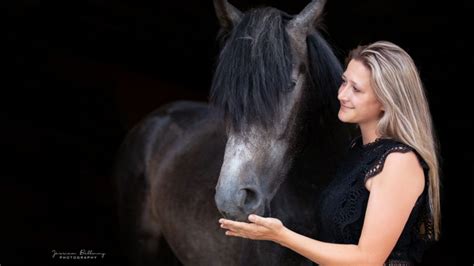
[344, 202]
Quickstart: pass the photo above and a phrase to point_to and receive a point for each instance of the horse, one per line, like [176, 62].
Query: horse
[266, 143]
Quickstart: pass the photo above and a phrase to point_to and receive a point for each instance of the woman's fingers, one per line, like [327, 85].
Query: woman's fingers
[234, 225]
[232, 233]
[228, 223]
[259, 220]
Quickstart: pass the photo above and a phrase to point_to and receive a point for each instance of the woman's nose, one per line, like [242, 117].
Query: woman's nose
[341, 93]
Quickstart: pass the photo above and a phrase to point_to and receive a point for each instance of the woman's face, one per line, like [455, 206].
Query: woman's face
[358, 101]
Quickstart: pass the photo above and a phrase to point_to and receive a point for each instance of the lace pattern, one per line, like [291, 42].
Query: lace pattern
[351, 210]
[377, 168]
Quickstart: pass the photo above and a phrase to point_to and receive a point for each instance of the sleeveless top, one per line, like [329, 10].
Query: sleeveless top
[343, 203]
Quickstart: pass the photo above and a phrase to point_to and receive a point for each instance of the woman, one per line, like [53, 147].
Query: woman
[383, 205]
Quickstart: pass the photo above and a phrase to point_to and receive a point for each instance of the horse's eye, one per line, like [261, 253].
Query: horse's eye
[291, 86]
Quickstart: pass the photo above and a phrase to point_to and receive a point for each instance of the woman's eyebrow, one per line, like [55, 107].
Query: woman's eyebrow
[351, 81]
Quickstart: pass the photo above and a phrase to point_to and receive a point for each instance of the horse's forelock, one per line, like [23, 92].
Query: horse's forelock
[254, 69]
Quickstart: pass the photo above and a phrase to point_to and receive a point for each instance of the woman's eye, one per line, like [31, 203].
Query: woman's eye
[355, 89]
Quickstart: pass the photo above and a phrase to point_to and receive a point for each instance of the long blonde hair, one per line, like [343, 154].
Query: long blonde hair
[407, 117]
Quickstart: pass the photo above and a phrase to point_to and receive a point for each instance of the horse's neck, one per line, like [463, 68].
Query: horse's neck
[313, 167]
[323, 148]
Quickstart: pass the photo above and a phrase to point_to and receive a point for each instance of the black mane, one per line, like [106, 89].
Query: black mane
[325, 73]
[254, 69]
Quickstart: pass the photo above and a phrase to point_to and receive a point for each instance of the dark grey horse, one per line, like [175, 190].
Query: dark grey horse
[269, 140]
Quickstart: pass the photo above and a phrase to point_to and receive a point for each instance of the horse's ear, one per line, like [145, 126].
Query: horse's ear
[302, 23]
[227, 14]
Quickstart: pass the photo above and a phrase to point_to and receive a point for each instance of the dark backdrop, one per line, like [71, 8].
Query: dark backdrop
[79, 74]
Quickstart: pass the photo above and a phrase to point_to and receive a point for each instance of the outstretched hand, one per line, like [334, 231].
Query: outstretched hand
[259, 228]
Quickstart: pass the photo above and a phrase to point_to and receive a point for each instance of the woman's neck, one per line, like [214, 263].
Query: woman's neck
[369, 133]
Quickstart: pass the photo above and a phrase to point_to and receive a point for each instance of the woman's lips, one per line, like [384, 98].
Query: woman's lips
[347, 107]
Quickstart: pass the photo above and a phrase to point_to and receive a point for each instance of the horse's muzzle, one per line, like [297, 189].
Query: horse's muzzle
[239, 204]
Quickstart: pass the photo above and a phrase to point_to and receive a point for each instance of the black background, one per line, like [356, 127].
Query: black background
[79, 74]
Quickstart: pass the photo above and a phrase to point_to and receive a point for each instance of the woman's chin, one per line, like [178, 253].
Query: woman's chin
[342, 116]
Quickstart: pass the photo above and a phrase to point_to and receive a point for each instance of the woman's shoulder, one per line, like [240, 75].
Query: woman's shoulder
[402, 172]
[397, 149]
[406, 162]
[397, 155]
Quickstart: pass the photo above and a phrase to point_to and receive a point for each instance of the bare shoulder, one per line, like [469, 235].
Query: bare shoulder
[405, 169]
[406, 162]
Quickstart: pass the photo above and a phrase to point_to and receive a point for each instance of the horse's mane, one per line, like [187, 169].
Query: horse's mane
[325, 73]
[248, 86]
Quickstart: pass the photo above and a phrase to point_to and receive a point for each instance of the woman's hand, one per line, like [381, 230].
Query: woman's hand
[259, 228]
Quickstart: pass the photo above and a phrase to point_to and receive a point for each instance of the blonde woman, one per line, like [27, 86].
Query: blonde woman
[383, 205]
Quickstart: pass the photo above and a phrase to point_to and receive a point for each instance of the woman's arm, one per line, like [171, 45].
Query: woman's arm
[393, 193]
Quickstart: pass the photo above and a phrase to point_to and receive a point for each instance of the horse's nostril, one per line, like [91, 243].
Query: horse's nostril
[247, 198]
[251, 197]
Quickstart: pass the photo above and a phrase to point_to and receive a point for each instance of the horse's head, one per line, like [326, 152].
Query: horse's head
[259, 84]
